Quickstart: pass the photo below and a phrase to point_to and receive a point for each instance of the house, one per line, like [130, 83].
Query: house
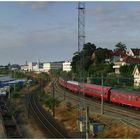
[117, 55]
[125, 61]
[134, 52]
[67, 66]
[136, 74]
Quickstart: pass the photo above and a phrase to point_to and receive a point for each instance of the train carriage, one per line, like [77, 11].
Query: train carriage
[109, 94]
[62, 82]
[96, 91]
[73, 86]
[125, 97]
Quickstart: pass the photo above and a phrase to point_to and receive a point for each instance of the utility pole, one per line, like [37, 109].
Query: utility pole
[87, 122]
[28, 104]
[53, 95]
[14, 83]
[102, 97]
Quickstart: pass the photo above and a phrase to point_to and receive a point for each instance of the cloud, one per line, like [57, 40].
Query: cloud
[36, 5]
[111, 22]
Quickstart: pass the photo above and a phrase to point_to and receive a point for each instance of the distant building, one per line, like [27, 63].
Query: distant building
[14, 67]
[67, 66]
[117, 55]
[47, 66]
[134, 52]
[32, 66]
[125, 61]
[136, 74]
[24, 67]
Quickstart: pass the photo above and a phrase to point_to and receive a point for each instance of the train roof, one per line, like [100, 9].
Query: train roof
[96, 86]
[73, 82]
[122, 91]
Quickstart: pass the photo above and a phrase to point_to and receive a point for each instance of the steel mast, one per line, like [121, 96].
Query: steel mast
[81, 42]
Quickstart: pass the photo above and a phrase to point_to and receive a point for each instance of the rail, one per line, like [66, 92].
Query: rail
[48, 122]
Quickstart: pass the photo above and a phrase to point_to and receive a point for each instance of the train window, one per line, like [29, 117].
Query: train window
[136, 98]
[129, 97]
[133, 97]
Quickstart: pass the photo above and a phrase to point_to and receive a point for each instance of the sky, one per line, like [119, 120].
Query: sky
[48, 31]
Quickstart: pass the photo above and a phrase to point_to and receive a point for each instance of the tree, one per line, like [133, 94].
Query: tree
[100, 55]
[121, 47]
[127, 70]
[82, 60]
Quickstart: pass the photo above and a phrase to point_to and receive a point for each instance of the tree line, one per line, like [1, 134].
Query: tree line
[93, 61]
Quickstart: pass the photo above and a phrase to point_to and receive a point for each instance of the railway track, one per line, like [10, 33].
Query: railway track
[135, 115]
[48, 122]
[10, 125]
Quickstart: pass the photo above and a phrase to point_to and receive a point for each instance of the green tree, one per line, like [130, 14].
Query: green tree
[100, 69]
[81, 61]
[126, 70]
[120, 46]
[101, 54]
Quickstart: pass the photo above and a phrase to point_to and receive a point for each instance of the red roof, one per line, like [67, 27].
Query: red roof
[130, 59]
[119, 53]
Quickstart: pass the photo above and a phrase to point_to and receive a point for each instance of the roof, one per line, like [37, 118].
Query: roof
[119, 53]
[73, 82]
[130, 59]
[122, 91]
[96, 86]
[135, 51]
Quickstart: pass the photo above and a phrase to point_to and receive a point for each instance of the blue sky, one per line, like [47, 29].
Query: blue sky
[48, 30]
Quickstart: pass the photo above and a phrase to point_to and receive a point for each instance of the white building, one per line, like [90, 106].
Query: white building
[35, 66]
[67, 66]
[32, 66]
[47, 66]
[24, 67]
[134, 52]
[125, 61]
[136, 74]
[117, 66]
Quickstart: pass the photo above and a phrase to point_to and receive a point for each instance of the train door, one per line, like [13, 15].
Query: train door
[108, 93]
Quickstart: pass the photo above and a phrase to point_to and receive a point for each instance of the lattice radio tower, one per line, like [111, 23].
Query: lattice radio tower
[81, 36]
[81, 42]
[81, 25]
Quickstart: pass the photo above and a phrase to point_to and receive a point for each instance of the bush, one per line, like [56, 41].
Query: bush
[15, 95]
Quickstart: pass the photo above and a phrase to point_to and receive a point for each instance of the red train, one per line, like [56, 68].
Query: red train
[109, 94]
